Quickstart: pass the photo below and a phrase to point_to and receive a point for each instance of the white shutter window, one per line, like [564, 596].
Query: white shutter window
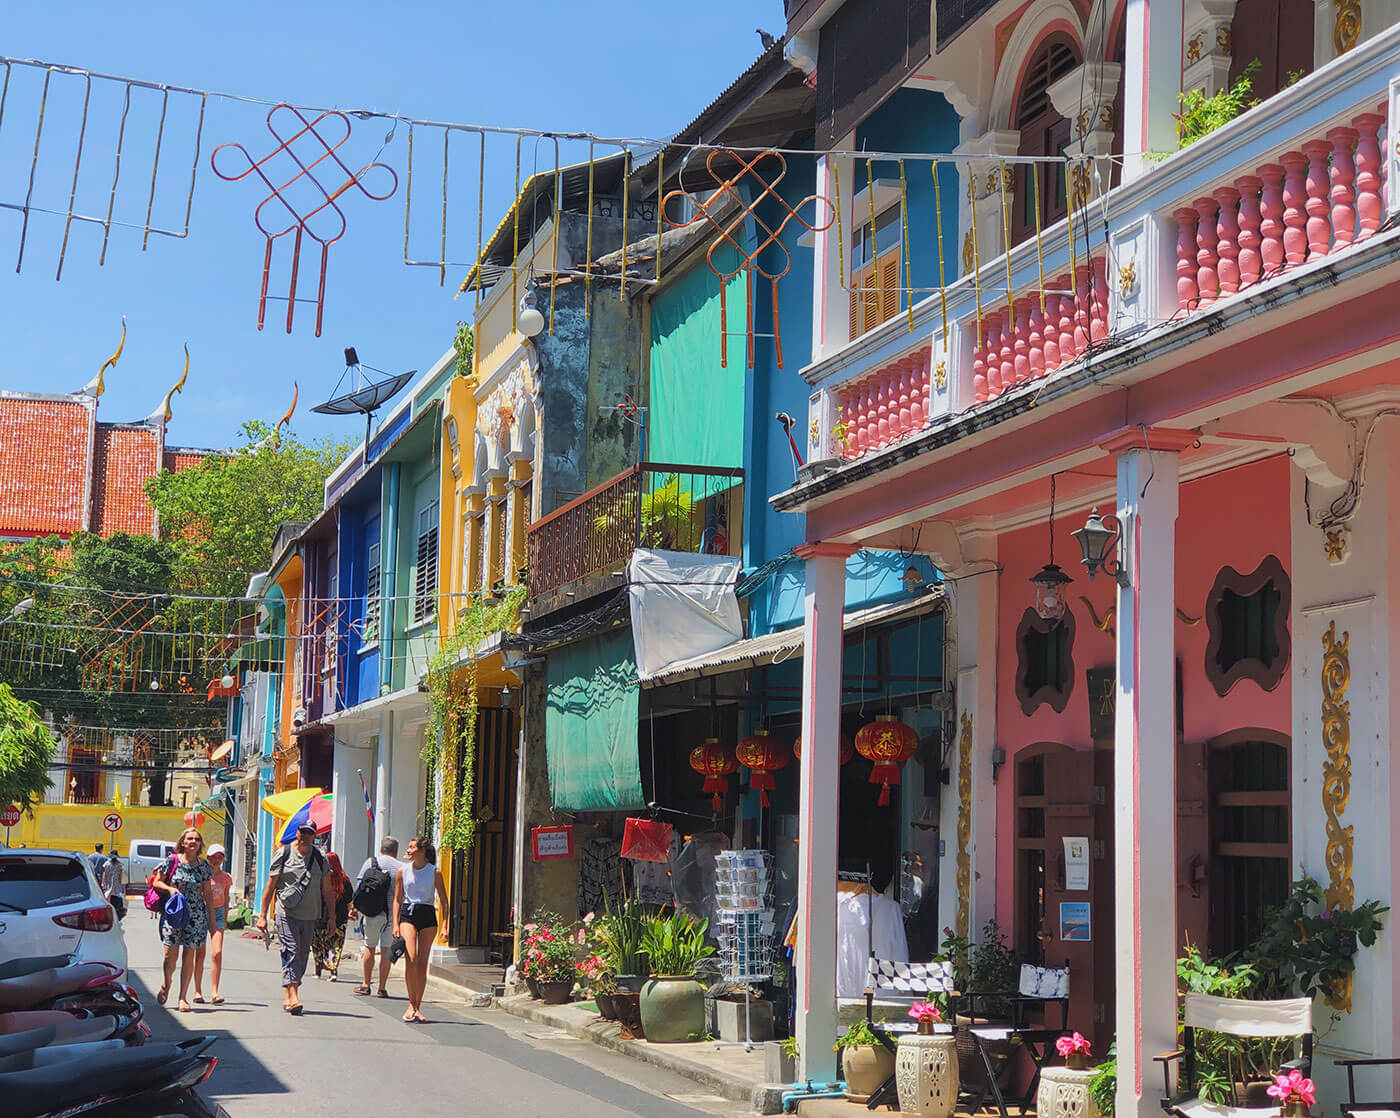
[372, 595]
[426, 572]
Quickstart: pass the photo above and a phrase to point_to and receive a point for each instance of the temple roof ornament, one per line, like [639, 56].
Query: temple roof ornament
[163, 415]
[97, 385]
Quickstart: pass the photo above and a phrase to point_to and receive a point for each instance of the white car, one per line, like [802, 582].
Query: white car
[51, 904]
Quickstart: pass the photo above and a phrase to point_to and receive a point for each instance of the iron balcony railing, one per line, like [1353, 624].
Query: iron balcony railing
[657, 505]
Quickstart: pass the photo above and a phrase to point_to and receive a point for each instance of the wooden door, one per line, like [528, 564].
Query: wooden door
[481, 887]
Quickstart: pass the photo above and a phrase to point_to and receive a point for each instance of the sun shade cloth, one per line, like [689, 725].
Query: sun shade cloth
[683, 605]
[591, 725]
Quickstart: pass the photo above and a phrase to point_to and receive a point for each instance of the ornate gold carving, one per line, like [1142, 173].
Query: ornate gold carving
[1334, 543]
[964, 863]
[1194, 49]
[1223, 41]
[1105, 116]
[1336, 782]
[968, 259]
[1081, 123]
[814, 434]
[1080, 181]
[1347, 30]
[1127, 279]
[940, 374]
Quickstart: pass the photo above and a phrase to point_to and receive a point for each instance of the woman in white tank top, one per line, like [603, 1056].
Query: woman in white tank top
[416, 886]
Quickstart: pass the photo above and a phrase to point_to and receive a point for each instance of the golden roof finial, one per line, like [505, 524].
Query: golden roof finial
[163, 414]
[97, 385]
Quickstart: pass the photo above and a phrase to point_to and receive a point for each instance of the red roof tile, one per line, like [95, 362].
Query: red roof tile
[124, 459]
[182, 458]
[44, 465]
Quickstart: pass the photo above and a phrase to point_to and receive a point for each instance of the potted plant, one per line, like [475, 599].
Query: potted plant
[1075, 1050]
[865, 1062]
[554, 966]
[672, 1001]
[926, 1066]
[780, 1061]
[620, 935]
[594, 975]
[1294, 1093]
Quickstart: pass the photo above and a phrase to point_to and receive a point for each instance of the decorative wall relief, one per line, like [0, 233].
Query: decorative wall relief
[964, 864]
[1336, 780]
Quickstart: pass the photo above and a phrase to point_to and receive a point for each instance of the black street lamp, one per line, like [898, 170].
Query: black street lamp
[1095, 539]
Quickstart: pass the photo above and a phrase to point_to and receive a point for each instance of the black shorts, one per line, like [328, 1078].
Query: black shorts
[419, 915]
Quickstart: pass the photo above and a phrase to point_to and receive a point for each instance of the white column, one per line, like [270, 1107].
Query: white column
[1151, 80]
[819, 808]
[1144, 789]
[350, 831]
[383, 781]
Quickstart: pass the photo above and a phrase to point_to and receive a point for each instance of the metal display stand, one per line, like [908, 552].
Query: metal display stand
[744, 909]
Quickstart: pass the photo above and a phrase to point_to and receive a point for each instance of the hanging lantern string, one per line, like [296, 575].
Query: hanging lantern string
[1052, 518]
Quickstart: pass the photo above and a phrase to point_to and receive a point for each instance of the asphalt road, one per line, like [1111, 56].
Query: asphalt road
[351, 1055]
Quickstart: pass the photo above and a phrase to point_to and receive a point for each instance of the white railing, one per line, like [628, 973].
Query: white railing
[1306, 175]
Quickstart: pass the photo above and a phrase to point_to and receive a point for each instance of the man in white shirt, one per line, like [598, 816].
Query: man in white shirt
[378, 924]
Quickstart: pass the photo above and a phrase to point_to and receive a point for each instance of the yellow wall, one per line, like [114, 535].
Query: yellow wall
[79, 826]
[289, 578]
[460, 406]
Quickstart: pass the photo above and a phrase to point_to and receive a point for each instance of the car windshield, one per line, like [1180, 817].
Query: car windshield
[39, 882]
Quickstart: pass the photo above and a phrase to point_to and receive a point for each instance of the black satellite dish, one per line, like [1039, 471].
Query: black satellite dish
[368, 394]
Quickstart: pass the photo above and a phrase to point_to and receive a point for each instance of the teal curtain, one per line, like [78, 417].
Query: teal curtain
[591, 725]
[697, 407]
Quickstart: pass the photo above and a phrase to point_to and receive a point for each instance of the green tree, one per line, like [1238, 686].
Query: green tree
[26, 750]
[222, 514]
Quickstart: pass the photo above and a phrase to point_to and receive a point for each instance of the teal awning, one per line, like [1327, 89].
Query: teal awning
[260, 655]
[591, 725]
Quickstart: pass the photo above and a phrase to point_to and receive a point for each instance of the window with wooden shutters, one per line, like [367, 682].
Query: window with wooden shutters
[426, 564]
[496, 557]
[1251, 835]
[1043, 132]
[876, 276]
[372, 594]
[472, 559]
[524, 495]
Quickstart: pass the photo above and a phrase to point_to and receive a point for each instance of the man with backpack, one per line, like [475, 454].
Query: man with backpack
[300, 877]
[374, 892]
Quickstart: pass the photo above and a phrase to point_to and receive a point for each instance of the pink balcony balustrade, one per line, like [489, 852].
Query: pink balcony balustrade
[885, 406]
[1314, 201]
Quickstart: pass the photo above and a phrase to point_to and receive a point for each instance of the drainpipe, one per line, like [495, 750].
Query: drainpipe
[389, 577]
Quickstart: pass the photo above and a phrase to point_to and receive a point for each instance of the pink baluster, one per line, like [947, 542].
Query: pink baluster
[906, 395]
[855, 420]
[882, 407]
[1022, 347]
[1249, 260]
[1295, 215]
[994, 382]
[1271, 218]
[1319, 228]
[1067, 350]
[1369, 205]
[1098, 309]
[918, 401]
[1008, 351]
[1228, 231]
[1050, 332]
[1035, 339]
[1081, 308]
[1343, 192]
[1186, 290]
[979, 367]
[1207, 238]
[872, 403]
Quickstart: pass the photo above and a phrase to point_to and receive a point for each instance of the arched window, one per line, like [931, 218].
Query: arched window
[1043, 132]
[1278, 34]
[1250, 835]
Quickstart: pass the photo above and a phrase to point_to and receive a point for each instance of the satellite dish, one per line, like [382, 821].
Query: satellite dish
[367, 395]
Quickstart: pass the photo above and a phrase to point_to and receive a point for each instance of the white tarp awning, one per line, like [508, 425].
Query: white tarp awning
[683, 605]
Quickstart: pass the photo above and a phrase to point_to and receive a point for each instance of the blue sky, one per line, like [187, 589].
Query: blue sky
[620, 68]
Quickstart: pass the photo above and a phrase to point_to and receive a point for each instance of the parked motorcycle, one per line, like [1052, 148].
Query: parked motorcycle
[83, 990]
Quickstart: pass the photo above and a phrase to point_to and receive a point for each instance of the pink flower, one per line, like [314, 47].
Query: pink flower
[1067, 1045]
[925, 1011]
[588, 919]
[1293, 1087]
[531, 927]
[580, 937]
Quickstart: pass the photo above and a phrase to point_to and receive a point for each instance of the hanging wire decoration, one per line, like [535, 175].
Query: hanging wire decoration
[760, 175]
[41, 178]
[279, 214]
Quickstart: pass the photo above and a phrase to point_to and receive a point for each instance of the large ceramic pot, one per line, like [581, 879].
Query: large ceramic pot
[632, 983]
[629, 1014]
[926, 1075]
[604, 1001]
[673, 1008]
[533, 985]
[866, 1067]
[556, 991]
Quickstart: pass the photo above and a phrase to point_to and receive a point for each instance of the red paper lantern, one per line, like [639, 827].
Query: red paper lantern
[194, 819]
[889, 743]
[714, 760]
[763, 755]
[848, 748]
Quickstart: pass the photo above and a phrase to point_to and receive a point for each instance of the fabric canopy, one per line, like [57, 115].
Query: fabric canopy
[283, 805]
[683, 605]
[591, 725]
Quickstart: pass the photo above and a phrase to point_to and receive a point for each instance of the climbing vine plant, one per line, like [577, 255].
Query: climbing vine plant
[452, 710]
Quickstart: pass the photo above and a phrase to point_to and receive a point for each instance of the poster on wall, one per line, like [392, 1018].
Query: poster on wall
[1074, 921]
[1076, 862]
[552, 842]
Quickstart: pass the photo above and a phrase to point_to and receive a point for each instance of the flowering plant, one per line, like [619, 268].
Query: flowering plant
[1292, 1088]
[925, 1013]
[1076, 1045]
[547, 955]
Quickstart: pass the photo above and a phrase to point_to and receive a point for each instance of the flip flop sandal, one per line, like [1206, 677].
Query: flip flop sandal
[162, 995]
[363, 991]
[217, 999]
[408, 1017]
[296, 1010]
[382, 994]
[199, 999]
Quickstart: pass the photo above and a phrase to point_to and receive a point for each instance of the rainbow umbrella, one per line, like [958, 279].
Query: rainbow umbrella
[283, 805]
[316, 811]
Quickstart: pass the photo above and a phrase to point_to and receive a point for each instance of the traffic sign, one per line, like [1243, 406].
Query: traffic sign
[10, 816]
[112, 821]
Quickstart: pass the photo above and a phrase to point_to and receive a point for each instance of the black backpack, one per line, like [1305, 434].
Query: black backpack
[372, 893]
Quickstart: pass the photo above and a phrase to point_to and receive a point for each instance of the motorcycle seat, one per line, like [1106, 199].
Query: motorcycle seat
[27, 1094]
[28, 965]
[42, 1056]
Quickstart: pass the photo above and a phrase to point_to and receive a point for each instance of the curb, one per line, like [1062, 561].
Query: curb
[607, 1034]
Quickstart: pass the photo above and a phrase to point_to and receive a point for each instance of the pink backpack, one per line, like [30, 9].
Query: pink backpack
[155, 899]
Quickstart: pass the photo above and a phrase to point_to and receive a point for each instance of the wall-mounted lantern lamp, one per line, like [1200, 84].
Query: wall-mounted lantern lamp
[998, 759]
[1098, 542]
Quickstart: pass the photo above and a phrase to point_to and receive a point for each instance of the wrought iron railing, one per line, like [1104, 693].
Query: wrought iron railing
[653, 504]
